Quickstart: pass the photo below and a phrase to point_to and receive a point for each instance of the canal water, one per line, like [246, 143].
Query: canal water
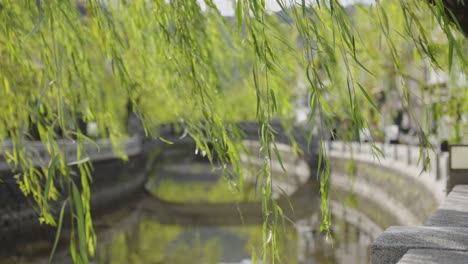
[129, 237]
[148, 241]
[151, 242]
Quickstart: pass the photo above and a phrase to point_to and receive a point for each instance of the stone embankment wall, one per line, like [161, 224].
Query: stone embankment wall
[393, 189]
[114, 181]
[424, 236]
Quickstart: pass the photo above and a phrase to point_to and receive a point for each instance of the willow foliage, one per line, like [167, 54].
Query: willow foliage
[171, 61]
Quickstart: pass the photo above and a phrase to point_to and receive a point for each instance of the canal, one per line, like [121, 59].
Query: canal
[182, 221]
[149, 241]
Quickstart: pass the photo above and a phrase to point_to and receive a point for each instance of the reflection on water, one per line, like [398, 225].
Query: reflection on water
[151, 242]
[148, 241]
[349, 245]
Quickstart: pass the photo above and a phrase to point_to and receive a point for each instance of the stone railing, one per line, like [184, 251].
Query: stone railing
[101, 149]
[405, 159]
[442, 239]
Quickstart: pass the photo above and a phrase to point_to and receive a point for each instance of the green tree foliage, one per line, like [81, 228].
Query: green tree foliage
[66, 61]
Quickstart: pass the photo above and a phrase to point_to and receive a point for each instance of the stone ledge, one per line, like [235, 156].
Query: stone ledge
[431, 256]
[396, 241]
[453, 212]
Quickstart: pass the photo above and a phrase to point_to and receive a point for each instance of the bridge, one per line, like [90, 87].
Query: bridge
[298, 188]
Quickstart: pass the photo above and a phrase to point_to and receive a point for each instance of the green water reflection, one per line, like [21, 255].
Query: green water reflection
[219, 191]
[148, 241]
[151, 242]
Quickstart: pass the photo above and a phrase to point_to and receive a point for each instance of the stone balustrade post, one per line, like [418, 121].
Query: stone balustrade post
[408, 149]
[437, 166]
[395, 152]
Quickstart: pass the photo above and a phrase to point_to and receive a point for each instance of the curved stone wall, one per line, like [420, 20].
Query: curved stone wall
[114, 182]
[394, 184]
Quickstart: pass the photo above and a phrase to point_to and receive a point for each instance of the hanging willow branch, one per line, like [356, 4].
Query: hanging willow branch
[66, 62]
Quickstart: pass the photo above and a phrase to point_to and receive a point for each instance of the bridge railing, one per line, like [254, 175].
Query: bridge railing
[407, 159]
[101, 149]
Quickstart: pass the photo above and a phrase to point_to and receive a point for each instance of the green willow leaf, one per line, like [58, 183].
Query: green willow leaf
[58, 233]
[50, 176]
[369, 99]
[80, 222]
